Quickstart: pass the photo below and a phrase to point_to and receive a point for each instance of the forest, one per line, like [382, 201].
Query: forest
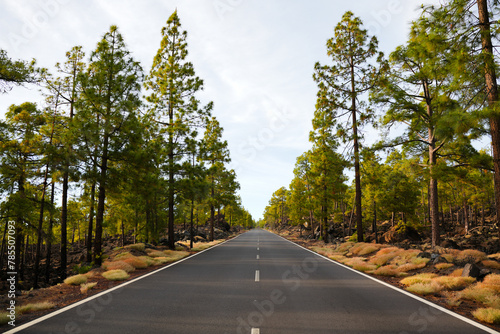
[111, 151]
[432, 105]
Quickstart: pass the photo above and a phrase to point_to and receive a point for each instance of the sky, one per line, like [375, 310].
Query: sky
[256, 58]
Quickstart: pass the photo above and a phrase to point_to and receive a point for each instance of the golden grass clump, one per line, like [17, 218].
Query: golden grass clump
[345, 247]
[457, 272]
[200, 246]
[479, 292]
[363, 248]
[443, 266]
[492, 279]
[118, 265]
[384, 255]
[87, 286]
[494, 256]
[448, 257]
[154, 253]
[136, 262]
[420, 278]
[338, 257]
[359, 263]
[388, 270]
[489, 315]
[138, 247]
[491, 264]
[33, 307]
[428, 288]
[148, 260]
[122, 256]
[115, 275]
[172, 256]
[471, 254]
[454, 283]
[4, 318]
[76, 279]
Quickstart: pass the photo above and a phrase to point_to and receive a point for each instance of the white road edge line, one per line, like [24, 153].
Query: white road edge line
[257, 276]
[255, 331]
[83, 301]
[440, 308]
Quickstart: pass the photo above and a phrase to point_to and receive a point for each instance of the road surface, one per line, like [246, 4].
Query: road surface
[257, 283]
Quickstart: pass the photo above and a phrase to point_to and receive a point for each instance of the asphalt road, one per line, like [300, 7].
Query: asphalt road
[257, 283]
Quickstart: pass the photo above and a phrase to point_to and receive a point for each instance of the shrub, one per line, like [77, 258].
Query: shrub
[411, 266]
[428, 288]
[87, 286]
[493, 301]
[115, 275]
[82, 269]
[136, 262]
[442, 266]
[76, 279]
[172, 256]
[489, 315]
[138, 247]
[28, 308]
[448, 257]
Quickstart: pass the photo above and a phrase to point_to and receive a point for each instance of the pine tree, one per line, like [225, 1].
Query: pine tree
[15, 72]
[342, 84]
[107, 118]
[172, 85]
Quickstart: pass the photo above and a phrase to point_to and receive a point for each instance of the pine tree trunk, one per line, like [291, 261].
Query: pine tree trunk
[212, 211]
[49, 237]
[492, 94]
[357, 173]
[91, 222]
[101, 201]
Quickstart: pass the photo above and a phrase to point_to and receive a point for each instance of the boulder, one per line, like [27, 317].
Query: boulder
[471, 270]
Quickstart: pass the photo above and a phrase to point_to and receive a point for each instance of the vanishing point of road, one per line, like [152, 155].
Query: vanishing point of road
[256, 283]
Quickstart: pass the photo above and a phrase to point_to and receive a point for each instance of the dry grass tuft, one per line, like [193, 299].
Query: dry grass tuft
[87, 286]
[471, 255]
[345, 247]
[385, 255]
[118, 265]
[494, 256]
[4, 318]
[115, 275]
[454, 283]
[428, 288]
[28, 308]
[172, 256]
[136, 262]
[148, 260]
[123, 256]
[76, 280]
[479, 292]
[201, 246]
[443, 266]
[493, 301]
[154, 253]
[416, 279]
[359, 263]
[448, 257]
[138, 247]
[492, 279]
[388, 270]
[338, 257]
[457, 272]
[363, 248]
[488, 315]
[491, 264]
